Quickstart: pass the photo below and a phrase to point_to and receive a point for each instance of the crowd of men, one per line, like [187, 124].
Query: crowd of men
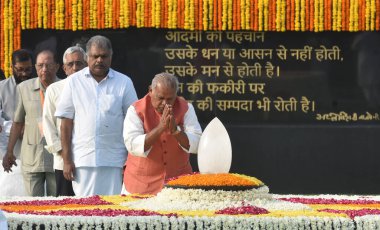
[89, 134]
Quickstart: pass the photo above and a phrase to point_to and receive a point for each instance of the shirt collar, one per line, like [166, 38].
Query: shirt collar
[87, 73]
[37, 85]
[13, 79]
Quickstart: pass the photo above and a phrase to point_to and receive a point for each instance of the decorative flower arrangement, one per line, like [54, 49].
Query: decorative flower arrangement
[193, 200]
[255, 15]
[219, 179]
[243, 210]
[282, 212]
[196, 209]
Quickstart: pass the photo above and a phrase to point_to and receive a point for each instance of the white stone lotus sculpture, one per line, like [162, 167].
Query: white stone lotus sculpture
[214, 150]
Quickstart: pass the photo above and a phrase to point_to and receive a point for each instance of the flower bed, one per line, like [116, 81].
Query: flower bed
[122, 212]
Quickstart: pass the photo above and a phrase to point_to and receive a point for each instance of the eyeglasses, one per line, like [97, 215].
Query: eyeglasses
[23, 70]
[72, 63]
[47, 66]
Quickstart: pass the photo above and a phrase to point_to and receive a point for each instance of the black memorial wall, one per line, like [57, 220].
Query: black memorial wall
[301, 108]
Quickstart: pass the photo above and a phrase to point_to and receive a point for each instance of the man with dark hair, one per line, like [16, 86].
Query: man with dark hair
[92, 106]
[2, 76]
[22, 69]
[36, 162]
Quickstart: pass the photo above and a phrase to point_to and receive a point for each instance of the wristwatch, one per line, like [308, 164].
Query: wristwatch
[177, 131]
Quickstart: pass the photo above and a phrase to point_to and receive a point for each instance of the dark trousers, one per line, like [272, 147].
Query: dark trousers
[64, 187]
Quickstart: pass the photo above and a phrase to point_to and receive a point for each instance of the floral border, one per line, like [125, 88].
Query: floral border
[112, 212]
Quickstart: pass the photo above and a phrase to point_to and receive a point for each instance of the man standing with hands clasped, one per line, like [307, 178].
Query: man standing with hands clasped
[160, 130]
[92, 106]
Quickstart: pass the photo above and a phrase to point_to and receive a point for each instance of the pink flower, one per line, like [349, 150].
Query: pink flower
[247, 209]
[93, 200]
[97, 212]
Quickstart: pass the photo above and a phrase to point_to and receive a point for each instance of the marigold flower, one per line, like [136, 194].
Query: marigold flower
[221, 179]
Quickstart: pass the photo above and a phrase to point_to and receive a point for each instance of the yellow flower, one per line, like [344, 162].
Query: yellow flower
[339, 16]
[367, 14]
[229, 14]
[74, 15]
[278, 15]
[261, 13]
[210, 14]
[302, 15]
[242, 12]
[283, 15]
[22, 14]
[316, 15]
[205, 15]
[296, 15]
[158, 13]
[249, 15]
[191, 15]
[44, 14]
[266, 15]
[93, 14]
[27, 20]
[224, 14]
[220, 179]
[39, 14]
[373, 15]
[80, 14]
[321, 15]
[174, 19]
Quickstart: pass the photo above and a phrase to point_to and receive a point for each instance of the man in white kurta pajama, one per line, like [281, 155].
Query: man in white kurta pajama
[92, 106]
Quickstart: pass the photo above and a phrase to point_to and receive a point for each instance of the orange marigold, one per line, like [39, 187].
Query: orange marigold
[221, 179]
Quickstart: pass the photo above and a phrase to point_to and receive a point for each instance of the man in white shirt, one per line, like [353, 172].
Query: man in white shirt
[74, 59]
[22, 69]
[93, 106]
[160, 130]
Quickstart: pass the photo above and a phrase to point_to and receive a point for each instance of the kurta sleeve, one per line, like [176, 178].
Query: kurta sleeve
[192, 129]
[65, 106]
[50, 123]
[133, 133]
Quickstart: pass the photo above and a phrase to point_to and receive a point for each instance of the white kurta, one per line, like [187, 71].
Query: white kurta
[134, 135]
[12, 183]
[98, 110]
[52, 124]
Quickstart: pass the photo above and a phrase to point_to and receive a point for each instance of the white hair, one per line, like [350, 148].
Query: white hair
[74, 49]
[166, 79]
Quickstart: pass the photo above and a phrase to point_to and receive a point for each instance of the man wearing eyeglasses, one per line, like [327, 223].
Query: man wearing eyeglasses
[74, 59]
[36, 162]
[22, 69]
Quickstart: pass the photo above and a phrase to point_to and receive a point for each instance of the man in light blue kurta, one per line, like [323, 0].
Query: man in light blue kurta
[22, 68]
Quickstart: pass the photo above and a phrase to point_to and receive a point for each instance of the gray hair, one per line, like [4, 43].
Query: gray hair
[74, 49]
[166, 79]
[100, 42]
